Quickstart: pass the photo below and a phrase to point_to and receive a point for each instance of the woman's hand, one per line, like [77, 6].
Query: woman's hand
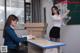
[31, 37]
[65, 14]
[67, 11]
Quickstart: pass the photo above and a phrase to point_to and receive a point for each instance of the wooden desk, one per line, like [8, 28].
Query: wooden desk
[40, 45]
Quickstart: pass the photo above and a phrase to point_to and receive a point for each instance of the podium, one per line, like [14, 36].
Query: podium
[36, 29]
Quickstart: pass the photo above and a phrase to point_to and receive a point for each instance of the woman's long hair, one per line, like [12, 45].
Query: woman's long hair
[56, 8]
[8, 22]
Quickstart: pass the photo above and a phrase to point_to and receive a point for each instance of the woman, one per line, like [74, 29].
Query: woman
[10, 37]
[57, 23]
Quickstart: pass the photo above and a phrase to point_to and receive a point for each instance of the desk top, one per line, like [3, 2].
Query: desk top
[43, 43]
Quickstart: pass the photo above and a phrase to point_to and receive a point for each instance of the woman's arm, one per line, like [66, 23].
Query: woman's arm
[13, 35]
[65, 14]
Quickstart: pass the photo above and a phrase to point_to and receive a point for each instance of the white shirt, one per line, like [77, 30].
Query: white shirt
[57, 20]
[12, 27]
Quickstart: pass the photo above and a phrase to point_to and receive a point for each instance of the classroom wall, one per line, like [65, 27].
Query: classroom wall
[70, 33]
[47, 4]
[1, 38]
[71, 36]
[1, 34]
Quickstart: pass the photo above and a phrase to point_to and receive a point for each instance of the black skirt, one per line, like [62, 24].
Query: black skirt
[54, 32]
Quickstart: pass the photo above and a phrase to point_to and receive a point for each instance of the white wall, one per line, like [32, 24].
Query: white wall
[1, 34]
[70, 33]
[1, 38]
[71, 36]
[47, 4]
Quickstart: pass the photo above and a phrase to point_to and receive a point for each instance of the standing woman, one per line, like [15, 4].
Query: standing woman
[10, 37]
[57, 23]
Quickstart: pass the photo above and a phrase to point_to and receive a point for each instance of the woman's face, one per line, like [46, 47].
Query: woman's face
[14, 23]
[54, 11]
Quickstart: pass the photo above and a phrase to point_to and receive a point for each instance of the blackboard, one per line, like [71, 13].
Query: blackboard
[74, 8]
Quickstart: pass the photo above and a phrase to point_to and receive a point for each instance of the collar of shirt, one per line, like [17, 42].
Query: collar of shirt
[12, 27]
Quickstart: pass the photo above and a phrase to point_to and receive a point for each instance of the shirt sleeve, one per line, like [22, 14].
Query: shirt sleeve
[13, 35]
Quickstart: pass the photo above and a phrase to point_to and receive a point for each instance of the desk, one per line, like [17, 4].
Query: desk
[40, 45]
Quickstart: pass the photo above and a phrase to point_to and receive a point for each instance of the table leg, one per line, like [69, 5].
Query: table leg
[51, 50]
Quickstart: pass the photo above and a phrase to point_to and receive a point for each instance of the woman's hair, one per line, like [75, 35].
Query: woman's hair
[56, 8]
[8, 22]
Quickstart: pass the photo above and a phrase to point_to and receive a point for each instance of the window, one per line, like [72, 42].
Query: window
[2, 14]
[15, 7]
[28, 12]
[33, 11]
